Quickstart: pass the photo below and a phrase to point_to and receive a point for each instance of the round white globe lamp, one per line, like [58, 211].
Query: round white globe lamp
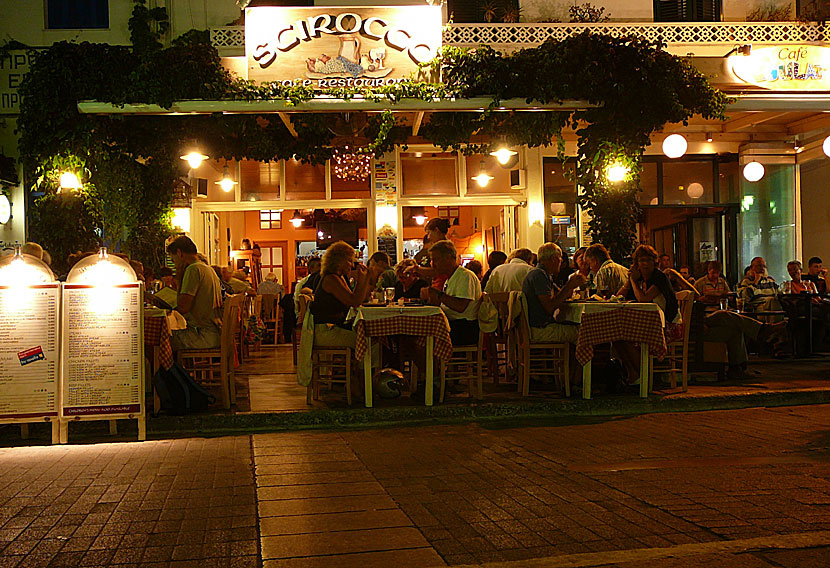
[674, 146]
[753, 171]
[695, 190]
[826, 146]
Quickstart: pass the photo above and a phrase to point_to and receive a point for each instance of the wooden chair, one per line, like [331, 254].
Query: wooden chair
[329, 365]
[215, 366]
[504, 338]
[244, 313]
[677, 354]
[466, 363]
[547, 359]
[270, 314]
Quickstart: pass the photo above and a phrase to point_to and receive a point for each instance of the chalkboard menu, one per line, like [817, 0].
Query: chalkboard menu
[29, 351]
[389, 245]
[102, 350]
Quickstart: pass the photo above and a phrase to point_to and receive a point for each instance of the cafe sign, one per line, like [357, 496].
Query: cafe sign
[785, 68]
[354, 46]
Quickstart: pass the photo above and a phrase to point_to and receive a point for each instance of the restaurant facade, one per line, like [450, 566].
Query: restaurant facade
[697, 207]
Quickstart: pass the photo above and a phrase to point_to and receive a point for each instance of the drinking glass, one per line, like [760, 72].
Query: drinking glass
[390, 295]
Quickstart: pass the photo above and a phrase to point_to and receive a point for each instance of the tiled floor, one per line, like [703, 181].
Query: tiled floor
[271, 377]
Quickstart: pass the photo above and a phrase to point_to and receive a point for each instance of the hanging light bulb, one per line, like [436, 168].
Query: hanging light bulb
[826, 146]
[419, 215]
[483, 178]
[194, 159]
[675, 146]
[226, 183]
[69, 180]
[753, 171]
[296, 219]
[503, 154]
[695, 190]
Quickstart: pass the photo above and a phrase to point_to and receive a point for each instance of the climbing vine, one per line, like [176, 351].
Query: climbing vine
[632, 87]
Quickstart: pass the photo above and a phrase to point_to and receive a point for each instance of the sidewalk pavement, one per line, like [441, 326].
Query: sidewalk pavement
[740, 488]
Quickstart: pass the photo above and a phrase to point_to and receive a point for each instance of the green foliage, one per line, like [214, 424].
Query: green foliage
[632, 85]
[64, 223]
[147, 26]
[587, 14]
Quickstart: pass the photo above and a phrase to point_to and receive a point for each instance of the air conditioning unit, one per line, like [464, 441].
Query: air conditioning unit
[518, 179]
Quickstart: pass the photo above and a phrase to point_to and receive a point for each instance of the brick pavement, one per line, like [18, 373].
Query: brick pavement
[670, 490]
[176, 503]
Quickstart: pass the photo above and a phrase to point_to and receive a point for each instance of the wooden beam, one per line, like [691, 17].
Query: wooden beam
[286, 120]
[416, 124]
[752, 119]
[815, 122]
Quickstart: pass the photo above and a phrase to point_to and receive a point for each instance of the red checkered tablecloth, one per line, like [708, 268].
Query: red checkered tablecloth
[632, 325]
[157, 334]
[402, 324]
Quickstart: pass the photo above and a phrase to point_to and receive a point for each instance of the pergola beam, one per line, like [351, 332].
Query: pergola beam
[286, 120]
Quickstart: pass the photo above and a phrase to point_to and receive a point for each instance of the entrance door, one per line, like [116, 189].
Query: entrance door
[274, 255]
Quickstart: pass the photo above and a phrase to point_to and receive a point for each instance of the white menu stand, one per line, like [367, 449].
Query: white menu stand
[102, 345]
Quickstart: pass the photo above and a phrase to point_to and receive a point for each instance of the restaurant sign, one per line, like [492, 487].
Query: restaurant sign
[785, 68]
[354, 46]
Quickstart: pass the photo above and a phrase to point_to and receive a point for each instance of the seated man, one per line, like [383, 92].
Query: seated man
[460, 294]
[270, 286]
[609, 276]
[544, 298]
[381, 276]
[199, 299]
[817, 274]
[713, 286]
[758, 289]
[733, 329]
[510, 276]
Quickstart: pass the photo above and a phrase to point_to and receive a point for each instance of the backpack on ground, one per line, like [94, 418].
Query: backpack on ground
[179, 393]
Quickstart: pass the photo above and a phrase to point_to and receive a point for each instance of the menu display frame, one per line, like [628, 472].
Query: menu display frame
[30, 360]
[132, 410]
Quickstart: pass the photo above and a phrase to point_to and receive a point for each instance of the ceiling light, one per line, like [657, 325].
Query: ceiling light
[483, 178]
[826, 146]
[419, 215]
[194, 159]
[695, 190]
[753, 171]
[674, 146]
[226, 183]
[296, 219]
[709, 137]
[503, 154]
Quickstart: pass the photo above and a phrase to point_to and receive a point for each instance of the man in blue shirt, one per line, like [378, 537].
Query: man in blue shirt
[544, 297]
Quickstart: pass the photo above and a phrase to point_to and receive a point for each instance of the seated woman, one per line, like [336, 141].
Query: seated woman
[646, 283]
[409, 284]
[333, 298]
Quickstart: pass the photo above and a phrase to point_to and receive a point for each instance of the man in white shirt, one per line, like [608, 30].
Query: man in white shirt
[510, 276]
[459, 298]
[609, 276]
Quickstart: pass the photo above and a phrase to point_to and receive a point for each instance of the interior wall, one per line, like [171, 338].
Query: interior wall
[815, 209]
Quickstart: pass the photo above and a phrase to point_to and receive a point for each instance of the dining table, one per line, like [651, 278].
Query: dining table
[158, 328]
[609, 321]
[427, 324]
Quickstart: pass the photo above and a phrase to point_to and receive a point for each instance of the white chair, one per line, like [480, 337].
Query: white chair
[466, 364]
[677, 354]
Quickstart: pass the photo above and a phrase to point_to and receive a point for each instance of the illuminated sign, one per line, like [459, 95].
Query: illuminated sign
[785, 68]
[561, 219]
[353, 46]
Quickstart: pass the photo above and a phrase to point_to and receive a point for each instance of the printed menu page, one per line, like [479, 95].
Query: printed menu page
[102, 351]
[29, 357]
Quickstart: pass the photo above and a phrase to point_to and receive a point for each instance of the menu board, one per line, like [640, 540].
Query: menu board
[29, 359]
[102, 350]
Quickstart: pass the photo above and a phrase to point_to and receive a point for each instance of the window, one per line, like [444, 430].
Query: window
[687, 10]
[77, 14]
[270, 219]
[429, 173]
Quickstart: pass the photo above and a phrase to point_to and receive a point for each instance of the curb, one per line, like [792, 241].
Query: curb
[357, 418]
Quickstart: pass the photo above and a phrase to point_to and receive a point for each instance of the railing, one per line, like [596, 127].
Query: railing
[231, 39]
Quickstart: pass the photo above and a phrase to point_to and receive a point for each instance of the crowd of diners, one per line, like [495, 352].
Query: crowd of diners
[338, 282]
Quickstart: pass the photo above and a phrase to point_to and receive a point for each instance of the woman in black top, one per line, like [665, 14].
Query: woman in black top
[646, 283]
